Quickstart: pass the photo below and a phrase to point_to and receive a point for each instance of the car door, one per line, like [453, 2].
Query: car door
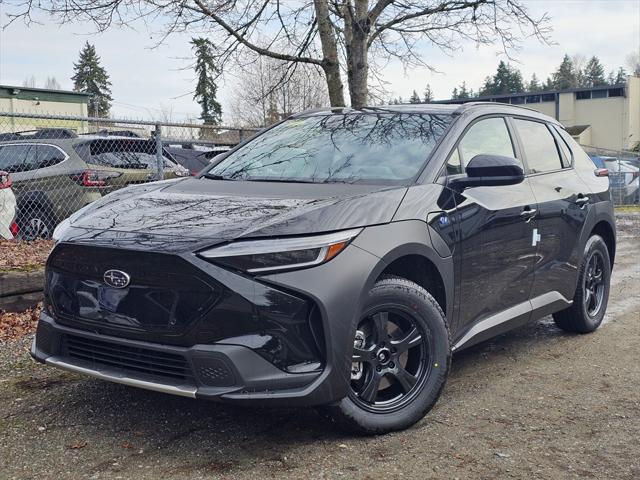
[563, 205]
[494, 257]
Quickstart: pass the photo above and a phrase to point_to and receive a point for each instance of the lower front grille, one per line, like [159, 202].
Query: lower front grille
[128, 358]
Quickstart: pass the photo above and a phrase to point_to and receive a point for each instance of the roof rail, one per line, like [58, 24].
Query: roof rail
[113, 133]
[42, 133]
[480, 103]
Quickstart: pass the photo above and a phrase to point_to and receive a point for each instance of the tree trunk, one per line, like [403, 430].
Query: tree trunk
[357, 28]
[330, 63]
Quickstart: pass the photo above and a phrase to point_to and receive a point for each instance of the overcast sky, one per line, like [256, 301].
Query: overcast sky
[147, 81]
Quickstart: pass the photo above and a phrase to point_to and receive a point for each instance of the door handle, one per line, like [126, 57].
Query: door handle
[582, 200]
[528, 213]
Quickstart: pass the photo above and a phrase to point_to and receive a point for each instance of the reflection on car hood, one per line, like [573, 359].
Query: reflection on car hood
[224, 210]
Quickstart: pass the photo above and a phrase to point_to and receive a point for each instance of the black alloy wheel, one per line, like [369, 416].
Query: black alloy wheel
[390, 359]
[400, 360]
[593, 284]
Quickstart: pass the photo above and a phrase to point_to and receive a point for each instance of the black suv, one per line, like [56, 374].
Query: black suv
[336, 259]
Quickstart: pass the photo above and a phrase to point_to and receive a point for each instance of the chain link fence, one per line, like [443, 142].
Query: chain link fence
[624, 173]
[58, 164]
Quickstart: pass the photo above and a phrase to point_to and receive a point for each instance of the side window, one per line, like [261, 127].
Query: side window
[539, 145]
[47, 156]
[15, 158]
[488, 137]
[567, 154]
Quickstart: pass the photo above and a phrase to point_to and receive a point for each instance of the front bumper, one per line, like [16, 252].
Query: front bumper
[198, 362]
[214, 372]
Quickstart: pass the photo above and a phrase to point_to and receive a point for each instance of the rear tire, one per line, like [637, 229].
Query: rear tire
[592, 293]
[35, 223]
[402, 342]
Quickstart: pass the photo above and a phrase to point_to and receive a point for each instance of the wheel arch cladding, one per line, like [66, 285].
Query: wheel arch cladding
[34, 199]
[405, 249]
[606, 231]
[419, 269]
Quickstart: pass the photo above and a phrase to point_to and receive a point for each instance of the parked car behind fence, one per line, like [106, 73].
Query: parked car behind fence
[7, 207]
[60, 164]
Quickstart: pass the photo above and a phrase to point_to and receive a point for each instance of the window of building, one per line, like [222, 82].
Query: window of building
[517, 100]
[616, 92]
[533, 99]
[503, 100]
[548, 97]
[540, 148]
[599, 94]
[583, 95]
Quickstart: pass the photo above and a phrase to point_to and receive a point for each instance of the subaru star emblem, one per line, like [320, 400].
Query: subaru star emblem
[116, 278]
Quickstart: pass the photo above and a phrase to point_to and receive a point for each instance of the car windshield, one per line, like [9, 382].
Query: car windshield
[388, 147]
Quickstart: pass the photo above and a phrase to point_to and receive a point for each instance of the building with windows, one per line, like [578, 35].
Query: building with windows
[603, 117]
[27, 101]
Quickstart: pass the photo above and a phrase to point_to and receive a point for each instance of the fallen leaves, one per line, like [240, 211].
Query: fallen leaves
[78, 445]
[16, 325]
[24, 256]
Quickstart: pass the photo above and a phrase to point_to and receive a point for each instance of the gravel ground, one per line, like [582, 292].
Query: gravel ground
[534, 403]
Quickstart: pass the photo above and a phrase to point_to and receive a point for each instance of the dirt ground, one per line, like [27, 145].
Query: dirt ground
[534, 403]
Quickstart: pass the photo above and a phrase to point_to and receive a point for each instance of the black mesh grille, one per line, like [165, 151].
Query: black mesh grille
[133, 359]
[215, 373]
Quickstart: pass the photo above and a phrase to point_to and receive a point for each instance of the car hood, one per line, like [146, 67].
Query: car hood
[216, 211]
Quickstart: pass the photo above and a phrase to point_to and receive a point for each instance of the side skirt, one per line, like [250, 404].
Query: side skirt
[511, 318]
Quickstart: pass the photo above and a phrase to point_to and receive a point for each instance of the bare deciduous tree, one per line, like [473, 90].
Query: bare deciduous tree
[342, 37]
[266, 91]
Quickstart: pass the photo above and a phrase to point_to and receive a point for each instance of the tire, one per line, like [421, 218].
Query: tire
[592, 295]
[35, 223]
[410, 359]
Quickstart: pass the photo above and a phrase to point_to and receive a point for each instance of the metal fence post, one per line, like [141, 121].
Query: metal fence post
[159, 156]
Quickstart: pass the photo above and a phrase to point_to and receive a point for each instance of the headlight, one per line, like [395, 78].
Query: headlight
[60, 229]
[256, 256]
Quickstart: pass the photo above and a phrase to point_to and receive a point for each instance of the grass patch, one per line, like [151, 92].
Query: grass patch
[627, 209]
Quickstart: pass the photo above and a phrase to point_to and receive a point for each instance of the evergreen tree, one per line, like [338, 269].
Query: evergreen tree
[593, 73]
[507, 79]
[454, 94]
[206, 88]
[566, 75]
[90, 77]
[548, 85]
[534, 84]
[428, 94]
[464, 93]
[414, 98]
[621, 76]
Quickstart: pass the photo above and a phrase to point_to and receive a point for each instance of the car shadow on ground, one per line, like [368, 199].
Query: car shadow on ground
[142, 426]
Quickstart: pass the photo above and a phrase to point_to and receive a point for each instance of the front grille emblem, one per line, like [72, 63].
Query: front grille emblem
[116, 278]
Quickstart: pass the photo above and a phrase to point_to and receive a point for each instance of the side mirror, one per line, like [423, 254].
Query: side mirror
[489, 170]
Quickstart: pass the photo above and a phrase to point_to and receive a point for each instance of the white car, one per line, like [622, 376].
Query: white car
[7, 206]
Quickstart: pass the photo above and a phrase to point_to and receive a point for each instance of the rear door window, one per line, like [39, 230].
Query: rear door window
[45, 156]
[540, 148]
[17, 158]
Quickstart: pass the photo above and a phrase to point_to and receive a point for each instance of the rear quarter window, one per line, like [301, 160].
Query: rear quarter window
[541, 150]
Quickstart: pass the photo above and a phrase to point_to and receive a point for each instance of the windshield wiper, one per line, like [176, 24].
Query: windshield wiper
[214, 176]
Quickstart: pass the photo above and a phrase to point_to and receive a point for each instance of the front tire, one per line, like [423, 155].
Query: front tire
[401, 360]
[592, 293]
